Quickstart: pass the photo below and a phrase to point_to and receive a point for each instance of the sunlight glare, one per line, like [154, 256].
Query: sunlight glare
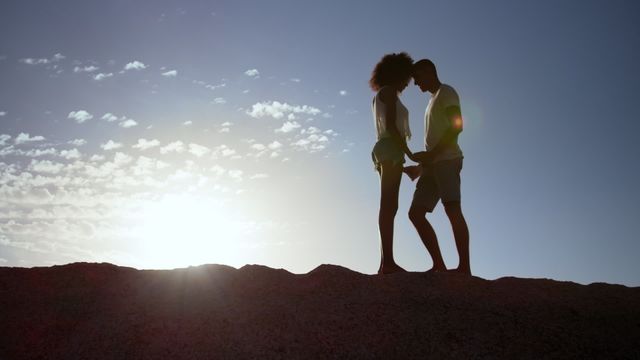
[183, 230]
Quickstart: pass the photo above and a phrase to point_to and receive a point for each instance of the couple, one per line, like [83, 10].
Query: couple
[438, 167]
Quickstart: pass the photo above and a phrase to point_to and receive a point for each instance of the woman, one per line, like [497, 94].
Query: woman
[389, 77]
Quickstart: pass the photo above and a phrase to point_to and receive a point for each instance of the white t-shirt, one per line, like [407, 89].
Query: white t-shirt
[379, 114]
[437, 121]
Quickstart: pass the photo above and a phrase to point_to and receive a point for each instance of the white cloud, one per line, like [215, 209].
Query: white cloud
[77, 142]
[217, 169]
[96, 157]
[110, 145]
[176, 146]
[146, 166]
[198, 150]
[70, 154]
[121, 158]
[89, 68]
[223, 150]
[24, 138]
[40, 152]
[225, 127]
[213, 87]
[80, 116]
[4, 138]
[318, 138]
[102, 76]
[275, 145]
[170, 73]
[252, 72]
[288, 126]
[144, 144]
[128, 123]
[9, 150]
[219, 100]
[278, 110]
[109, 117]
[45, 166]
[259, 176]
[313, 143]
[310, 130]
[295, 80]
[235, 174]
[3, 113]
[343, 93]
[187, 123]
[258, 147]
[32, 61]
[135, 65]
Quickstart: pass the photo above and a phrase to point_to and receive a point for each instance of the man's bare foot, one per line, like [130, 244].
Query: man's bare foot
[461, 271]
[437, 270]
[390, 269]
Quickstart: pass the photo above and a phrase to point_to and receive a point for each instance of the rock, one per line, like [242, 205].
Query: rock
[103, 311]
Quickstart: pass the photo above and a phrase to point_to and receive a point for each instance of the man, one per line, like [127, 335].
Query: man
[439, 168]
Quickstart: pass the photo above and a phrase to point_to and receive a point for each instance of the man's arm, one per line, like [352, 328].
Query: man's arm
[448, 138]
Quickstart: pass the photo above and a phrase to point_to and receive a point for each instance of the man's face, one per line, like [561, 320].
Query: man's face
[422, 80]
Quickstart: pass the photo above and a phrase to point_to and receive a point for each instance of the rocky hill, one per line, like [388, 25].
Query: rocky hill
[103, 311]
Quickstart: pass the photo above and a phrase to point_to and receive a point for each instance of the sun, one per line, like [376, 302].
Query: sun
[181, 230]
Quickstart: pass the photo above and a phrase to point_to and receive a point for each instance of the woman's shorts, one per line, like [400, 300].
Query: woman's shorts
[386, 149]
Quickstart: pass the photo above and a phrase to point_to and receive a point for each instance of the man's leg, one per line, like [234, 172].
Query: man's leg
[417, 215]
[461, 235]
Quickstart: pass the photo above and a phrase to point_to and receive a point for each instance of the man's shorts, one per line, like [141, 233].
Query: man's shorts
[439, 181]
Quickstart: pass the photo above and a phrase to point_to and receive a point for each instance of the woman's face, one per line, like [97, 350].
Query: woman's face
[403, 84]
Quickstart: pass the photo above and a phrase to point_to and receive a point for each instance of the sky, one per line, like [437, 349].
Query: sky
[164, 134]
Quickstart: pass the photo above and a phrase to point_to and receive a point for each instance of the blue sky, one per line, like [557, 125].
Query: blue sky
[172, 133]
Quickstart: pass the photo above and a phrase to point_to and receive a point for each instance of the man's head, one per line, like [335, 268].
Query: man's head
[425, 76]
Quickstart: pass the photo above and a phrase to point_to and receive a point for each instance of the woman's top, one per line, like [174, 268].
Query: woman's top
[379, 114]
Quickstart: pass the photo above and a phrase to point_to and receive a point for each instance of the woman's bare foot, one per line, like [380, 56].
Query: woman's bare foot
[390, 269]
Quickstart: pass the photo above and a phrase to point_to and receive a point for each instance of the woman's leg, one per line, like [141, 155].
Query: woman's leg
[390, 176]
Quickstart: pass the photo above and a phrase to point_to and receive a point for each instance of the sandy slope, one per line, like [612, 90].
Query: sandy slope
[102, 311]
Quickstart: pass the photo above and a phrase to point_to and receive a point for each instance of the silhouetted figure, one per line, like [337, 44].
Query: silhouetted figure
[440, 167]
[390, 76]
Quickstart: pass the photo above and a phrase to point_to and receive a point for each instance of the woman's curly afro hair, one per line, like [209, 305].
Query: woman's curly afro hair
[391, 69]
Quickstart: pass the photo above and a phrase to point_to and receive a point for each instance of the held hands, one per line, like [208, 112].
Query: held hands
[413, 171]
[423, 157]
